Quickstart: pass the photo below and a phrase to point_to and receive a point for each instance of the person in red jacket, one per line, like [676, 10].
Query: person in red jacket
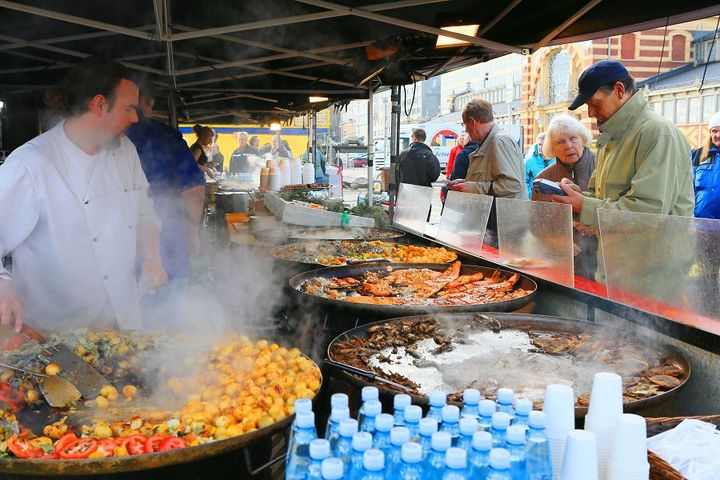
[461, 142]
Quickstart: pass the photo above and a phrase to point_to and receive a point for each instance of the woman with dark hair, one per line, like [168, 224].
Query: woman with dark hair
[204, 139]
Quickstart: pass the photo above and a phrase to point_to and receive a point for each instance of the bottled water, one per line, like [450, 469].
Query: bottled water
[537, 450]
[516, 447]
[361, 442]
[438, 400]
[399, 436]
[499, 465]
[479, 459]
[455, 464]
[413, 414]
[383, 425]
[373, 408]
[300, 405]
[505, 399]
[450, 419]
[523, 407]
[319, 451]
[332, 469]
[435, 461]
[467, 426]
[471, 402]
[299, 456]
[486, 408]
[411, 468]
[373, 465]
[428, 426]
[400, 402]
[332, 433]
[337, 400]
[367, 394]
[343, 448]
[500, 423]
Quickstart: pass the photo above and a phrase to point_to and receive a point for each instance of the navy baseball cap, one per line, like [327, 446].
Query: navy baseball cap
[597, 75]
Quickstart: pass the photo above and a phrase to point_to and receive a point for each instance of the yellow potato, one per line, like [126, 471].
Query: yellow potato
[52, 369]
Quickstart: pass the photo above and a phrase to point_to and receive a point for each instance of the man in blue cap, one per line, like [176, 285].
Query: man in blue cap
[642, 161]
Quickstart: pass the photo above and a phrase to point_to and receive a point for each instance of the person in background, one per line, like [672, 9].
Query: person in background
[277, 149]
[567, 140]
[462, 160]
[461, 141]
[320, 162]
[535, 161]
[215, 157]
[286, 146]
[75, 213]
[240, 161]
[255, 143]
[177, 188]
[204, 139]
[417, 164]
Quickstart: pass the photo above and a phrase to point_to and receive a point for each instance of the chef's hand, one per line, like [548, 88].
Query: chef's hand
[11, 305]
[573, 196]
[458, 185]
[153, 275]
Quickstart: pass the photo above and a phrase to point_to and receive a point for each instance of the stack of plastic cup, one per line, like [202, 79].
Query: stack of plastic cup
[604, 411]
[559, 406]
[628, 460]
[580, 456]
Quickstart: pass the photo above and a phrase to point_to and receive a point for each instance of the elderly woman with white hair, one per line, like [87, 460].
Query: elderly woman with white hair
[566, 139]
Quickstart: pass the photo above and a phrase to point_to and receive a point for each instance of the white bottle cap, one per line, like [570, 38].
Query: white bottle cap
[441, 441]
[537, 419]
[302, 405]
[413, 414]
[401, 400]
[499, 459]
[338, 400]
[450, 413]
[523, 406]
[516, 435]
[468, 426]
[482, 441]
[437, 398]
[339, 414]
[373, 460]
[332, 469]
[456, 458]
[411, 452]
[505, 395]
[501, 420]
[319, 449]
[305, 419]
[362, 441]
[384, 422]
[399, 436]
[348, 427]
[370, 393]
[372, 408]
[428, 426]
[487, 408]
[471, 396]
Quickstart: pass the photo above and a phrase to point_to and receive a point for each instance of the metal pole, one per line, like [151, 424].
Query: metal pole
[371, 149]
[394, 146]
[310, 140]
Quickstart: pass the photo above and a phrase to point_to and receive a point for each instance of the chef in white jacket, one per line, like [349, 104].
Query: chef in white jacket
[75, 215]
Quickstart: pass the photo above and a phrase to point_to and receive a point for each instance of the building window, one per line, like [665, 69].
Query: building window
[627, 46]
[669, 110]
[657, 107]
[559, 77]
[678, 48]
[708, 107]
[694, 111]
[681, 111]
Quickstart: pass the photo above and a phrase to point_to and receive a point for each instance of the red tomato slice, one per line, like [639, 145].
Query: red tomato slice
[64, 441]
[134, 444]
[172, 443]
[153, 443]
[107, 447]
[78, 449]
[22, 448]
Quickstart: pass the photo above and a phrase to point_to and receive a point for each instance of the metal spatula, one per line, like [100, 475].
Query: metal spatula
[57, 391]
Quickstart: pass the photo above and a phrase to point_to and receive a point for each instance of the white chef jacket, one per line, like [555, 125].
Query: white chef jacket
[70, 220]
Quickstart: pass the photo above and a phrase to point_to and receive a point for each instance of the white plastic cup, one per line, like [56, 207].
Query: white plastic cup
[606, 399]
[580, 460]
[559, 406]
[605, 436]
[629, 453]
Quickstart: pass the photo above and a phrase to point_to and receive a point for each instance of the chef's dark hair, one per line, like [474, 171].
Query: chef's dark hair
[94, 76]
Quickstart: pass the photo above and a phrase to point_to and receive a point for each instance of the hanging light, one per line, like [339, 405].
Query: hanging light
[469, 30]
[275, 127]
[317, 99]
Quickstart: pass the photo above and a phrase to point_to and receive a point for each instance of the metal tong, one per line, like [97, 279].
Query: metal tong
[366, 374]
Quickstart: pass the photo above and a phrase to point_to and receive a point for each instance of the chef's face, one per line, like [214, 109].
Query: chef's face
[715, 135]
[117, 118]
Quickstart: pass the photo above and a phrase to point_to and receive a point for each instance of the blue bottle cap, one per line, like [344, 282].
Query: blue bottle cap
[372, 408]
[516, 435]
[412, 414]
[411, 452]
[468, 426]
[303, 405]
[332, 469]
[362, 441]
[482, 441]
[450, 413]
[339, 414]
[373, 460]
[471, 396]
[399, 436]
[499, 459]
[428, 426]
[523, 406]
[401, 400]
[384, 422]
[348, 427]
[437, 398]
[456, 458]
[319, 449]
[505, 395]
[536, 419]
[501, 420]
[305, 419]
[338, 400]
[441, 441]
[370, 393]
[487, 408]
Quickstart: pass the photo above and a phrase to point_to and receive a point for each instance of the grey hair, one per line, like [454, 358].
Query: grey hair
[561, 124]
[463, 139]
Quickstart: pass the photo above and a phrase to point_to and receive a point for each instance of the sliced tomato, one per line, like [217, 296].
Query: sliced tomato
[22, 448]
[13, 343]
[80, 448]
[171, 443]
[107, 447]
[153, 443]
[134, 444]
[64, 441]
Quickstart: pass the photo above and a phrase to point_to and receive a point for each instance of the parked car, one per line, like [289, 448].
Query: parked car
[360, 162]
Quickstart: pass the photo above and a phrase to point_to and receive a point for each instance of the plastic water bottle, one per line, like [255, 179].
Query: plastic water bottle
[455, 464]
[299, 456]
[332, 469]
[383, 425]
[499, 465]
[438, 400]
[345, 219]
[361, 443]
[471, 401]
[537, 450]
[373, 408]
[479, 459]
[428, 426]
[399, 436]
[516, 447]
[337, 400]
[337, 415]
[523, 407]
[467, 427]
[435, 461]
[486, 408]
[300, 405]
[343, 447]
[500, 423]
[400, 402]
[450, 419]
[413, 415]
[373, 465]
[319, 451]
[411, 468]
[367, 394]
[505, 399]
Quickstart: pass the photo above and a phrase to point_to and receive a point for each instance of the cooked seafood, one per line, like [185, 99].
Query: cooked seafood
[336, 253]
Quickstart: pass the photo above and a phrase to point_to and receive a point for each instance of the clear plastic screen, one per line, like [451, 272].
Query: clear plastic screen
[412, 207]
[663, 264]
[536, 237]
[464, 220]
